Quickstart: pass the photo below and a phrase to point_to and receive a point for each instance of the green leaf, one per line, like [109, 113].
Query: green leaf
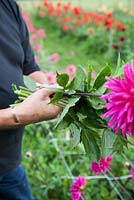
[90, 144]
[89, 78]
[79, 81]
[75, 133]
[57, 96]
[71, 103]
[81, 116]
[108, 139]
[119, 144]
[91, 118]
[29, 83]
[65, 122]
[100, 79]
[62, 79]
[96, 102]
[119, 68]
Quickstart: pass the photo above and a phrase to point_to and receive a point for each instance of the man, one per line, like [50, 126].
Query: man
[16, 60]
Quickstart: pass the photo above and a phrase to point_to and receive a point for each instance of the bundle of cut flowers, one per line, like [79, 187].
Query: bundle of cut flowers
[99, 113]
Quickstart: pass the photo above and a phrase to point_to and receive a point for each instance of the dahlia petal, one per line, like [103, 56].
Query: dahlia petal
[130, 129]
[130, 115]
[113, 121]
[124, 130]
[120, 122]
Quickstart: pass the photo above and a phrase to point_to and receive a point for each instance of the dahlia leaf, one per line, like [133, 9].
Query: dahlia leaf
[90, 144]
[71, 103]
[108, 139]
[75, 133]
[91, 118]
[79, 80]
[100, 79]
[119, 68]
[89, 78]
[119, 144]
[62, 79]
[96, 102]
[56, 97]
[65, 122]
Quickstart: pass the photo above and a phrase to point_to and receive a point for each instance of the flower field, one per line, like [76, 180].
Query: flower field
[89, 52]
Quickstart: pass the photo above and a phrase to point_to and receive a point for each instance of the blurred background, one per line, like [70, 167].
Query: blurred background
[65, 34]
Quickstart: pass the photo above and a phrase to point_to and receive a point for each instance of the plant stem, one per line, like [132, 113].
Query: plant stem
[83, 94]
[123, 188]
[116, 190]
[128, 141]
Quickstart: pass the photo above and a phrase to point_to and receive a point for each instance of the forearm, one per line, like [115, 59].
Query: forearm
[7, 119]
[39, 77]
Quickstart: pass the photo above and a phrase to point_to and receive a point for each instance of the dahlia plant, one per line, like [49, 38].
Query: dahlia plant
[85, 102]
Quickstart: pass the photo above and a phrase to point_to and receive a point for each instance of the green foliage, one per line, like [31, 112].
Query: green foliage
[108, 141]
[81, 113]
[62, 80]
[100, 79]
[78, 83]
[89, 139]
[46, 168]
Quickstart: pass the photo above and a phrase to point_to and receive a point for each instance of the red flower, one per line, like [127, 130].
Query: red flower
[105, 163]
[58, 13]
[116, 47]
[91, 31]
[66, 20]
[58, 4]
[46, 4]
[65, 28]
[122, 39]
[66, 8]
[95, 168]
[121, 27]
[41, 14]
[77, 11]
[109, 15]
[51, 11]
[103, 166]
[109, 23]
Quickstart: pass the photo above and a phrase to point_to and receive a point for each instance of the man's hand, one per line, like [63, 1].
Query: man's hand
[36, 108]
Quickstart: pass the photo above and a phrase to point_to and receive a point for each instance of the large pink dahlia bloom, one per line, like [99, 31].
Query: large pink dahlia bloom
[77, 188]
[120, 106]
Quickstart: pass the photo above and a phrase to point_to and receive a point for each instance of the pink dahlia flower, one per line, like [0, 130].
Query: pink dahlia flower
[95, 168]
[103, 165]
[77, 188]
[120, 102]
[41, 33]
[54, 58]
[51, 77]
[71, 70]
[132, 174]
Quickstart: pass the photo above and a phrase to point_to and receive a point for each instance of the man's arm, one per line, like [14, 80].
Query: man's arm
[35, 108]
[7, 119]
[39, 77]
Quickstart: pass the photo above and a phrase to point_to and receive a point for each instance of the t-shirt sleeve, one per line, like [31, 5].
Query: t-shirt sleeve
[29, 64]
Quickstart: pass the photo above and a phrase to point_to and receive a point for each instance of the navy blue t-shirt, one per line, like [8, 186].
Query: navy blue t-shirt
[16, 60]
